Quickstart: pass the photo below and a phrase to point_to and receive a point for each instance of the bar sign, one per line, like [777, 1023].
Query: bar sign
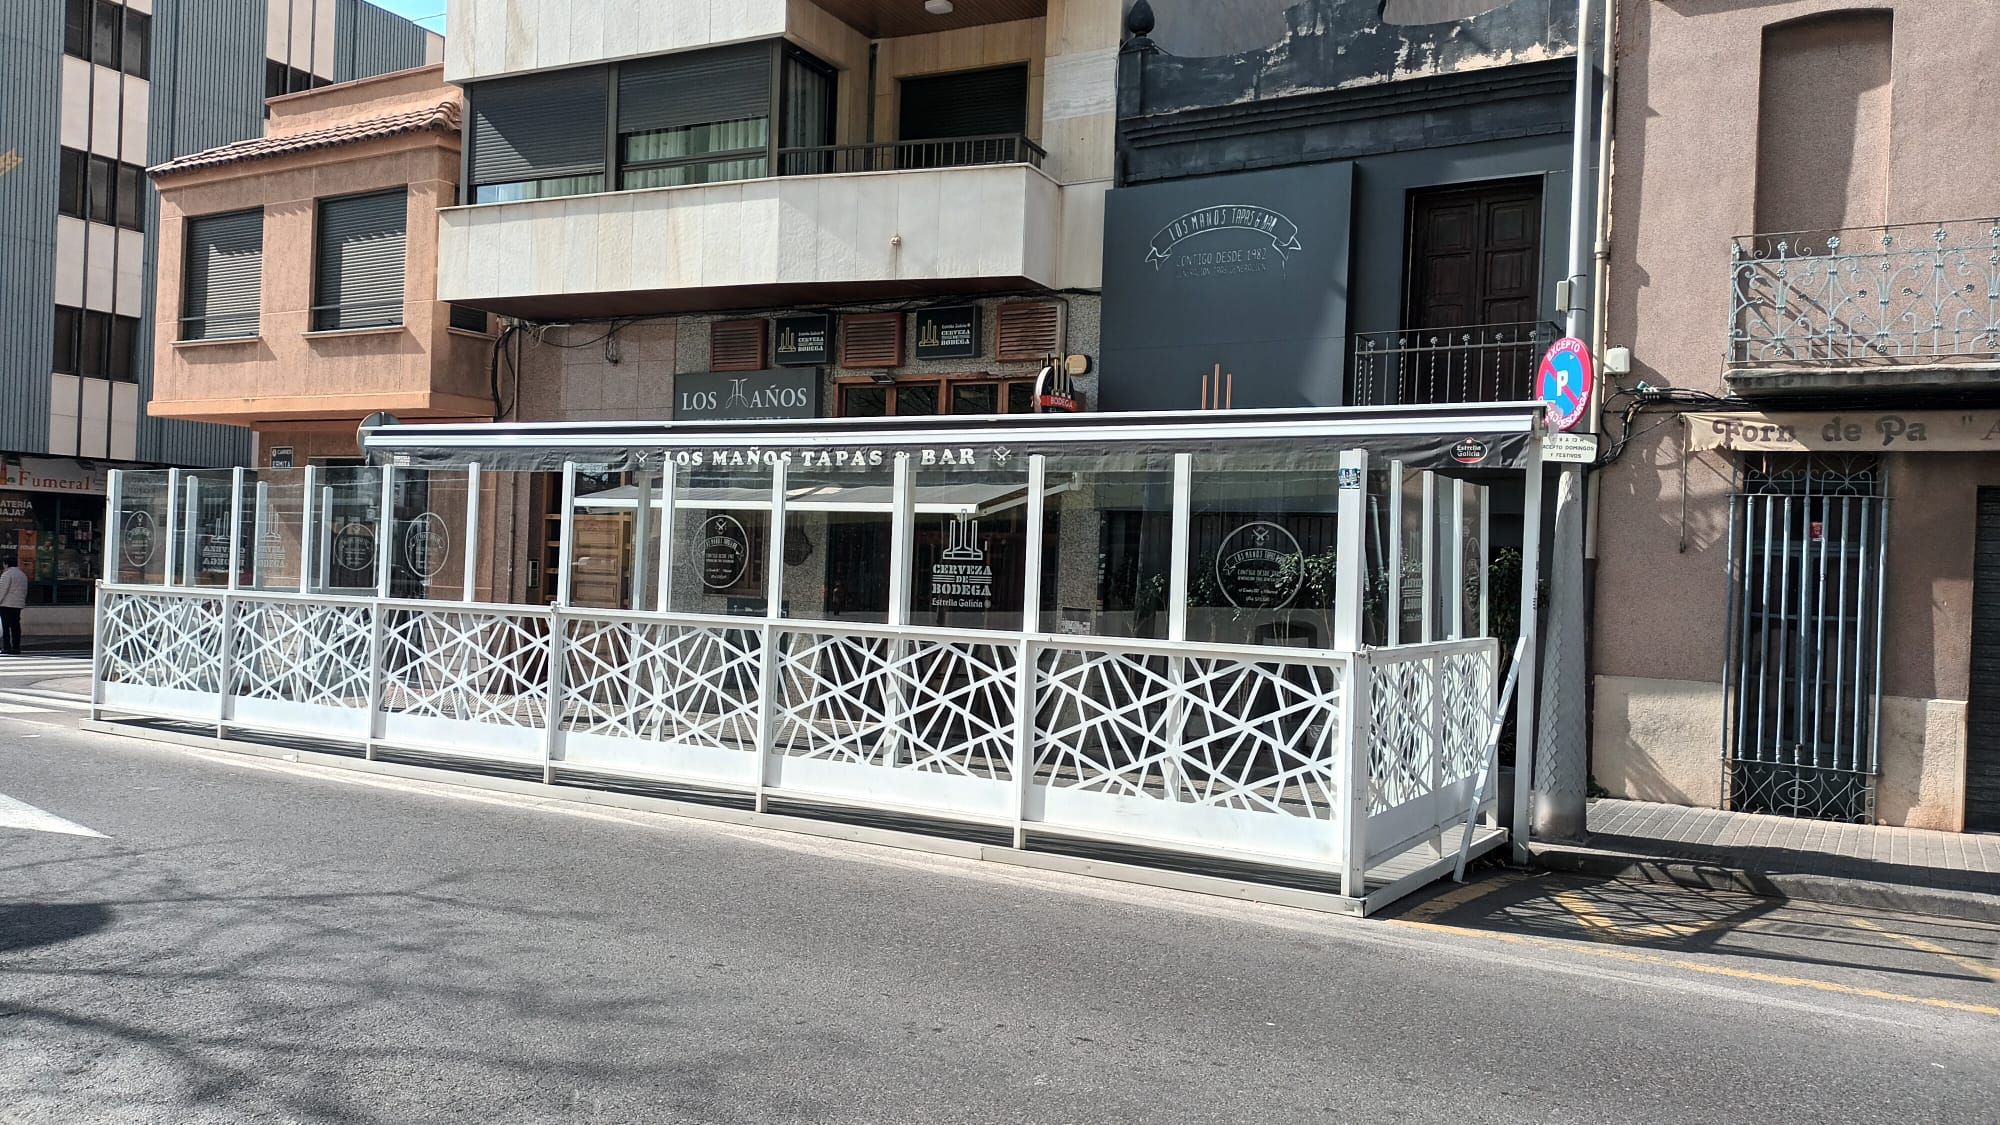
[804, 341]
[948, 333]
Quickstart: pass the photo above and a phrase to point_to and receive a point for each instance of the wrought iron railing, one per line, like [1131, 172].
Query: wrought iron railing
[1913, 294]
[897, 156]
[1474, 363]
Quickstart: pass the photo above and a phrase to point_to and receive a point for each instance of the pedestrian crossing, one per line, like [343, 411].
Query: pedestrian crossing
[45, 685]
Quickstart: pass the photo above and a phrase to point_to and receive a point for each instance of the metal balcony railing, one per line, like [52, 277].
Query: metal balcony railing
[1474, 363]
[1921, 293]
[900, 156]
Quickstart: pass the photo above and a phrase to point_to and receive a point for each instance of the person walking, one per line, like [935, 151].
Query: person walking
[13, 599]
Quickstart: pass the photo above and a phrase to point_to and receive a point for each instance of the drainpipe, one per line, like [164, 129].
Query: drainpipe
[1601, 281]
[1579, 155]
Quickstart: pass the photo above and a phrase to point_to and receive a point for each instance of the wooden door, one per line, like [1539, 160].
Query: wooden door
[1475, 255]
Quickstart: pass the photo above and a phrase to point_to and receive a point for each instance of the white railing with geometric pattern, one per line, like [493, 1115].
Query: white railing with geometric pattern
[1430, 710]
[1226, 750]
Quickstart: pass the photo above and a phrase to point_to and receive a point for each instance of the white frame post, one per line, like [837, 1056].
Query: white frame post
[1031, 624]
[566, 549]
[902, 553]
[642, 534]
[235, 533]
[1349, 579]
[308, 533]
[1395, 553]
[767, 666]
[1456, 567]
[472, 489]
[189, 518]
[663, 599]
[1430, 569]
[1530, 647]
[385, 538]
[1485, 561]
[1178, 573]
[260, 525]
[114, 499]
[565, 531]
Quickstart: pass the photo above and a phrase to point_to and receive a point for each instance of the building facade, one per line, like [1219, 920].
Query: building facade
[1797, 604]
[780, 209]
[94, 92]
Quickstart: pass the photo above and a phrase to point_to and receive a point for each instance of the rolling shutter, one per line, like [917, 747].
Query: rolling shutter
[358, 261]
[225, 276]
[871, 340]
[729, 84]
[538, 127]
[736, 345]
[980, 103]
[1029, 331]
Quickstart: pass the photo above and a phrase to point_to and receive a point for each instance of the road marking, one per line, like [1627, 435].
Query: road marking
[1451, 900]
[17, 709]
[1597, 922]
[44, 702]
[1637, 957]
[20, 814]
[1980, 967]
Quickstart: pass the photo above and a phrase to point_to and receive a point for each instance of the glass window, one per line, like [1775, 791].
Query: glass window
[1262, 553]
[346, 519]
[552, 188]
[864, 400]
[107, 33]
[69, 323]
[138, 43]
[975, 398]
[224, 276]
[1021, 397]
[73, 196]
[121, 361]
[969, 550]
[427, 538]
[916, 399]
[203, 528]
[131, 197]
[722, 524]
[273, 531]
[838, 542]
[96, 358]
[358, 261]
[76, 27]
[103, 190]
[671, 157]
[1107, 547]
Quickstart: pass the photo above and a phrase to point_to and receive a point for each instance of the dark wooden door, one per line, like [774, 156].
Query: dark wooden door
[1475, 255]
[1982, 758]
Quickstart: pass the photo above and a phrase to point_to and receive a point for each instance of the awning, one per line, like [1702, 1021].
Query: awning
[1847, 431]
[1461, 439]
[969, 500]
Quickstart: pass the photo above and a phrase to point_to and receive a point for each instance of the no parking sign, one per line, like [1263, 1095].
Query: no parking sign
[1565, 382]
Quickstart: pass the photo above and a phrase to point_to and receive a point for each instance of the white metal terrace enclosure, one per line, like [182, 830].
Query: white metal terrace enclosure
[1259, 640]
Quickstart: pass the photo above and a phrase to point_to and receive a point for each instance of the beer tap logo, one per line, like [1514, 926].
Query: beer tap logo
[962, 542]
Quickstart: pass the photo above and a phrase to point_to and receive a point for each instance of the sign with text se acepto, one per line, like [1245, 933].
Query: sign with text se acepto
[1565, 382]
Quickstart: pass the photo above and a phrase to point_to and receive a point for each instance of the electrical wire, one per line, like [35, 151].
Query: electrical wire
[1669, 402]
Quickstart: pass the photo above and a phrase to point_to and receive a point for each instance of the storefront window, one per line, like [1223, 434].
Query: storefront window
[203, 527]
[1262, 553]
[1107, 550]
[347, 518]
[55, 540]
[141, 534]
[427, 537]
[721, 529]
[969, 548]
[838, 543]
[273, 529]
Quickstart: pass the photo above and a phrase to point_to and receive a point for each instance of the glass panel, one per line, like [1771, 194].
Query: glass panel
[1020, 398]
[722, 524]
[864, 401]
[1262, 552]
[1472, 548]
[551, 188]
[837, 542]
[602, 534]
[1416, 572]
[712, 172]
[428, 536]
[696, 140]
[1444, 556]
[273, 528]
[914, 399]
[975, 398]
[1107, 545]
[141, 534]
[204, 527]
[1375, 583]
[970, 550]
[347, 518]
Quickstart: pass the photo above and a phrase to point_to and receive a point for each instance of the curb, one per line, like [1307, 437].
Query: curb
[1967, 906]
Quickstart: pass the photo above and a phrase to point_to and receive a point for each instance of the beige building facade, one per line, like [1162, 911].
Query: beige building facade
[1796, 600]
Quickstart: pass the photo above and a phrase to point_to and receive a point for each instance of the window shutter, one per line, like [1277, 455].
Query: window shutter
[1029, 331]
[871, 340]
[465, 318]
[224, 285]
[980, 103]
[358, 261]
[736, 345]
[538, 127]
[695, 89]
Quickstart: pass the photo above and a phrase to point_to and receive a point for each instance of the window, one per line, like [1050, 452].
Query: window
[695, 118]
[72, 198]
[280, 79]
[68, 322]
[358, 261]
[122, 357]
[902, 399]
[103, 190]
[224, 276]
[138, 44]
[76, 27]
[1002, 396]
[96, 344]
[131, 197]
[465, 318]
[538, 136]
[107, 33]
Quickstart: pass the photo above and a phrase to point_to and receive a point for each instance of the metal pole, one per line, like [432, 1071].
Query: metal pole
[385, 537]
[767, 671]
[1350, 566]
[1562, 770]
[190, 540]
[669, 484]
[1524, 701]
[473, 483]
[642, 535]
[1172, 775]
[308, 534]
[112, 541]
[235, 528]
[902, 550]
[565, 533]
[1027, 658]
[1579, 157]
[171, 563]
[1395, 594]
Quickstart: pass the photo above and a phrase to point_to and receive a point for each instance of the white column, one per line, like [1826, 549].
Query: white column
[385, 536]
[767, 683]
[1350, 574]
[259, 527]
[1525, 687]
[472, 490]
[235, 527]
[669, 487]
[902, 541]
[1026, 656]
[565, 534]
[1394, 618]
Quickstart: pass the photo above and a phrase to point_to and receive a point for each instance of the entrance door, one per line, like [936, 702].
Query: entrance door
[1982, 762]
[1474, 260]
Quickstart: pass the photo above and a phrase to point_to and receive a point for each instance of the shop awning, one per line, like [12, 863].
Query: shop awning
[969, 500]
[1846, 431]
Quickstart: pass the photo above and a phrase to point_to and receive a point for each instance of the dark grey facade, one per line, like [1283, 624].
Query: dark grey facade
[1369, 130]
[30, 127]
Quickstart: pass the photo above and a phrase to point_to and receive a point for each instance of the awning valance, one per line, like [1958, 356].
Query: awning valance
[1847, 431]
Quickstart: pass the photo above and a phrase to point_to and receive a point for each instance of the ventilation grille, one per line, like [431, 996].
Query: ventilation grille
[736, 345]
[871, 340]
[1029, 331]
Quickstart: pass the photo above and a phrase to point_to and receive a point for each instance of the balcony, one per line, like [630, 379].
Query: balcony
[1474, 363]
[1894, 308]
[845, 222]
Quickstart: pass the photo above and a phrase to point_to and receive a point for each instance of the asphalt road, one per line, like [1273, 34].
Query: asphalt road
[253, 941]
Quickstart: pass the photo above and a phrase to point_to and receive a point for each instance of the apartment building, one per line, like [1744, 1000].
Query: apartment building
[1798, 600]
[94, 92]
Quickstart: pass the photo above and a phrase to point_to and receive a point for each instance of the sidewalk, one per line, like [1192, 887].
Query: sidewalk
[1894, 868]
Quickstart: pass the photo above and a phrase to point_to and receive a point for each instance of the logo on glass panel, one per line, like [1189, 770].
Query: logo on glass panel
[138, 538]
[426, 542]
[1260, 566]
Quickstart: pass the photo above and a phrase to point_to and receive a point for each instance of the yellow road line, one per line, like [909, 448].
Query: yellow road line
[1988, 971]
[1634, 956]
[1596, 921]
[1452, 900]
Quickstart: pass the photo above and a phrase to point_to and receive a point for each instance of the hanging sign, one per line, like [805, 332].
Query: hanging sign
[1259, 566]
[1565, 383]
[1570, 449]
[725, 553]
[949, 333]
[1856, 431]
[791, 392]
[281, 456]
[804, 341]
[962, 577]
